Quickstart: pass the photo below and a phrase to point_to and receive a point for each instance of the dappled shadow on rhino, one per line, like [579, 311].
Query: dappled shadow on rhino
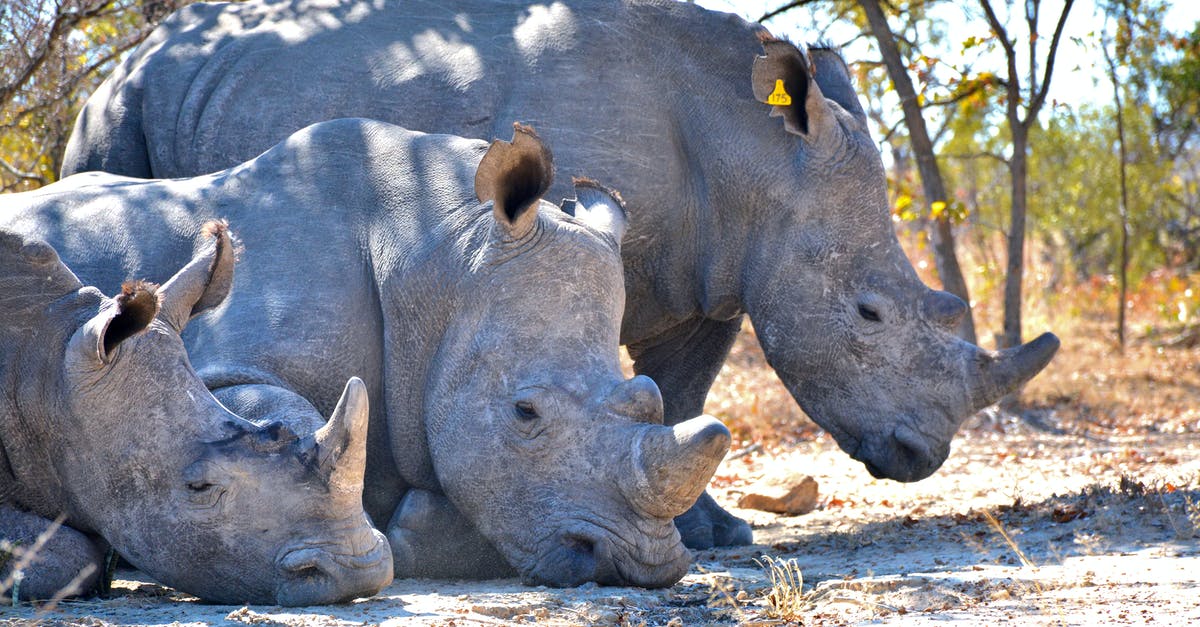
[106, 424]
[785, 219]
[483, 320]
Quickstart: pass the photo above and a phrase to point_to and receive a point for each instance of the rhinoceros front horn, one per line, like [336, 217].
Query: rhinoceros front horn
[672, 465]
[341, 445]
[1002, 372]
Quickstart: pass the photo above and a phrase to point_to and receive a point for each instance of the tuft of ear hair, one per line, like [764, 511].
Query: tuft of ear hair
[781, 78]
[137, 305]
[214, 228]
[588, 182]
[515, 175]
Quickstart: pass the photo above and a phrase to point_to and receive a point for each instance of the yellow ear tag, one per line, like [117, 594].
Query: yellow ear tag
[779, 97]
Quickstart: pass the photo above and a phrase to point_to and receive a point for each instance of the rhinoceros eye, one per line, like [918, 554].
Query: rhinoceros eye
[526, 410]
[204, 494]
[200, 486]
[204, 484]
[869, 313]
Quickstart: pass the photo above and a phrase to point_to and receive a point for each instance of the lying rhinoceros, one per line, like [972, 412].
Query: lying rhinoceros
[484, 321]
[104, 422]
[731, 213]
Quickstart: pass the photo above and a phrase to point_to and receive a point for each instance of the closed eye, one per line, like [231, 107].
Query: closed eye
[204, 493]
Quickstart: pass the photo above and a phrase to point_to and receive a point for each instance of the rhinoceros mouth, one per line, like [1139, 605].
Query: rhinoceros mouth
[317, 573]
[307, 559]
[593, 551]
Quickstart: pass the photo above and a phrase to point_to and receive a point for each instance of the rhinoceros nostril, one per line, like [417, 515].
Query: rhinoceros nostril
[307, 572]
[915, 460]
[305, 564]
[580, 545]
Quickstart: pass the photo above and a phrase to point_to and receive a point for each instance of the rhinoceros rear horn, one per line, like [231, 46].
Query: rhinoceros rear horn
[204, 282]
[341, 445]
[599, 207]
[515, 175]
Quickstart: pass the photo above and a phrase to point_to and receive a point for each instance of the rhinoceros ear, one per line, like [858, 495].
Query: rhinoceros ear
[204, 282]
[781, 77]
[833, 77]
[599, 207]
[515, 175]
[120, 319]
[32, 269]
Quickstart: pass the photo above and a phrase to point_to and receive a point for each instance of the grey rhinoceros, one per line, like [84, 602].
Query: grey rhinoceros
[484, 319]
[104, 422]
[731, 213]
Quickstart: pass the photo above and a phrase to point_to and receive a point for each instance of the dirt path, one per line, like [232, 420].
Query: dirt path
[1084, 547]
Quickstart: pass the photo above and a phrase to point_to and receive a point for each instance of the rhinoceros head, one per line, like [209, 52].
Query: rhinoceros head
[862, 344]
[195, 496]
[536, 435]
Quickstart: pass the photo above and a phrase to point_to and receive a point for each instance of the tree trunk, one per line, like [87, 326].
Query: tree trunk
[1016, 237]
[932, 185]
[1123, 210]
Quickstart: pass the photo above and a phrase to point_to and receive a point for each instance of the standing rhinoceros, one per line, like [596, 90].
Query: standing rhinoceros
[485, 322]
[103, 421]
[731, 212]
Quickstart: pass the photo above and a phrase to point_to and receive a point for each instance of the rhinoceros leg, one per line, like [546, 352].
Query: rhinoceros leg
[684, 362]
[68, 560]
[431, 539]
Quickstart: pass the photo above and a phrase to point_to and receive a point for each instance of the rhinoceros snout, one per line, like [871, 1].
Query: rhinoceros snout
[903, 456]
[578, 559]
[583, 557]
[315, 575]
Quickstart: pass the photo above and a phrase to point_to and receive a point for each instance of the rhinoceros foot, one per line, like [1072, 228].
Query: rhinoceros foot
[706, 525]
[430, 539]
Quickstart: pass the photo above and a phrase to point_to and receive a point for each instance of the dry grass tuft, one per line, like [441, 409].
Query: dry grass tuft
[786, 599]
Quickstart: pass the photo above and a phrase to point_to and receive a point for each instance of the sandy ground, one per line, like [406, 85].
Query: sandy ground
[1021, 526]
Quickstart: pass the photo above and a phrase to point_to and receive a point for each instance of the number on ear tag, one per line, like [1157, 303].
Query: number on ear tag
[779, 97]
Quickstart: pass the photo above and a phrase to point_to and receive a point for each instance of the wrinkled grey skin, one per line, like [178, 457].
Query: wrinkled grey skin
[104, 422]
[484, 319]
[732, 213]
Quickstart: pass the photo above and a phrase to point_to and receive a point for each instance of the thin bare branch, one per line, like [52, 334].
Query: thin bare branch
[1040, 97]
[22, 174]
[978, 155]
[785, 8]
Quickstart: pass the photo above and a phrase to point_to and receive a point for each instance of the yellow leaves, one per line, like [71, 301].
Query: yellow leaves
[905, 210]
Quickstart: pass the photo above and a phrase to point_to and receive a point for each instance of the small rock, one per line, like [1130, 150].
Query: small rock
[783, 493]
